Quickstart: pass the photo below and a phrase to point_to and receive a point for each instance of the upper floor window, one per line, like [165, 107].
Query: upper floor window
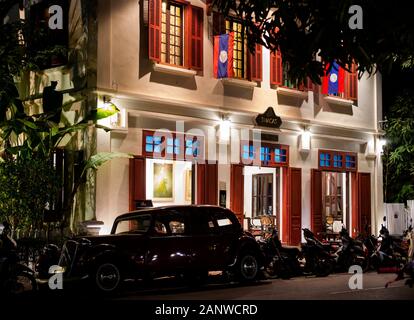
[337, 161]
[239, 51]
[279, 74]
[176, 33]
[246, 65]
[343, 83]
[172, 145]
[172, 33]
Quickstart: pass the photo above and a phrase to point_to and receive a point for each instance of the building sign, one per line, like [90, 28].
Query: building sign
[269, 119]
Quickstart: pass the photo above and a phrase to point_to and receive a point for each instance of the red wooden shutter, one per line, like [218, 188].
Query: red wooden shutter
[276, 69]
[285, 205]
[155, 30]
[295, 201]
[351, 84]
[207, 184]
[364, 201]
[355, 204]
[196, 38]
[237, 191]
[256, 64]
[137, 181]
[316, 201]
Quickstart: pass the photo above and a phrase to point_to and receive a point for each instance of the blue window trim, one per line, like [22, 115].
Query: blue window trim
[183, 148]
[271, 155]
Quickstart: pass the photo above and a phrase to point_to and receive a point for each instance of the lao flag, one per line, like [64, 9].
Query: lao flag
[223, 55]
[334, 81]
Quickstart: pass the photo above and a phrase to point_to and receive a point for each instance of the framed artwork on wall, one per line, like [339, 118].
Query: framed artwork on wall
[188, 173]
[163, 177]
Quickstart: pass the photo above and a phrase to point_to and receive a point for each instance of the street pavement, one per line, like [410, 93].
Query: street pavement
[333, 287]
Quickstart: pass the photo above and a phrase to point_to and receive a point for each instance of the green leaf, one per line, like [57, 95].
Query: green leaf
[101, 158]
[29, 124]
[107, 111]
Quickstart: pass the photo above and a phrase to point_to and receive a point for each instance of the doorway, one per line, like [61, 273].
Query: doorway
[262, 196]
[336, 202]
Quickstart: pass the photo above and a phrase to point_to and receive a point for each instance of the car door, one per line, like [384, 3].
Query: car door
[203, 233]
[169, 243]
[227, 234]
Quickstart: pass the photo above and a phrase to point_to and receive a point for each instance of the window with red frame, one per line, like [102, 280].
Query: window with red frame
[246, 65]
[350, 84]
[337, 161]
[176, 33]
[172, 145]
[269, 154]
[279, 74]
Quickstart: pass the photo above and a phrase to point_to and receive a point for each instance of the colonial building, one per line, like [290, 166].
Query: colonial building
[253, 143]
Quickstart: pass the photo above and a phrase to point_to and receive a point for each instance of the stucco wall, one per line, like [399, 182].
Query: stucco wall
[123, 66]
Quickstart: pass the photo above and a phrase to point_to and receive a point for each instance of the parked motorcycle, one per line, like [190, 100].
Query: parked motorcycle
[319, 259]
[389, 254]
[15, 278]
[280, 261]
[350, 252]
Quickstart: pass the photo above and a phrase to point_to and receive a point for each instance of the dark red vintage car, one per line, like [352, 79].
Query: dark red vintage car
[167, 241]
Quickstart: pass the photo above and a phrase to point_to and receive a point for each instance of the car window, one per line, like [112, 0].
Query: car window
[202, 222]
[177, 227]
[224, 220]
[170, 223]
[160, 227]
[139, 224]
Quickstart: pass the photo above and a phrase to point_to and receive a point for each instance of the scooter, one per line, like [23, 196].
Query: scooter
[319, 259]
[349, 253]
[388, 257]
[280, 261]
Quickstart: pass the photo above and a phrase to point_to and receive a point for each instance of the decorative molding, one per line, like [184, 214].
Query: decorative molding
[177, 71]
[239, 83]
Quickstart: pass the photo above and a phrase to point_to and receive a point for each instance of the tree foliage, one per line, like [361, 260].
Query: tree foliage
[399, 152]
[302, 29]
[27, 187]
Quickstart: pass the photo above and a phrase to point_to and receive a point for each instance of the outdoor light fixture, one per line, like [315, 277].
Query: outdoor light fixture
[382, 144]
[305, 141]
[225, 125]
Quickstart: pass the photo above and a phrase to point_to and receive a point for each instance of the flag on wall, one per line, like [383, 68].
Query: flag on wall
[334, 81]
[223, 55]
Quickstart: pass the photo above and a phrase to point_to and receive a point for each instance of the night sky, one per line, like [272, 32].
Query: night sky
[394, 84]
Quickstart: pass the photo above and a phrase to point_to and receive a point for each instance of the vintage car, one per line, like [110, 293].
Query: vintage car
[188, 241]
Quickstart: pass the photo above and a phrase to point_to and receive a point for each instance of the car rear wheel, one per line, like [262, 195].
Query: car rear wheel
[247, 267]
[107, 277]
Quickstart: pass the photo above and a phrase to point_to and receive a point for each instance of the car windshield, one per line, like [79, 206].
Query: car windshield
[138, 224]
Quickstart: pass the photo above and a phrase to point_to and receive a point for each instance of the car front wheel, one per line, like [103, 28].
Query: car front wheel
[247, 267]
[107, 277]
